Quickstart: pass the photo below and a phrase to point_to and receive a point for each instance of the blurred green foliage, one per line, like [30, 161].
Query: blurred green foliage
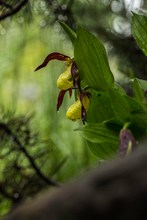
[25, 39]
[24, 92]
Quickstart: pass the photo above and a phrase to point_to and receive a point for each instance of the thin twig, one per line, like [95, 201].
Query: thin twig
[6, 4]
[6, 194]
[14, 10]
[26, 153]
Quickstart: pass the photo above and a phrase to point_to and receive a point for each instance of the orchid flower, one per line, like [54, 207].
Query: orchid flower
[67, 81]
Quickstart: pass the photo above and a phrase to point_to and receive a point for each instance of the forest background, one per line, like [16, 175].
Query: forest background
[38, 146]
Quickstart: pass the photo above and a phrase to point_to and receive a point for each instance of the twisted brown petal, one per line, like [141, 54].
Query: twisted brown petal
[83, 110]
[74, 73]
[53, 56]
[60, 98]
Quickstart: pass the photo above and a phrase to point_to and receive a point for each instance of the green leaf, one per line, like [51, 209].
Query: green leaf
[98, 133]
[71, 34]
[102, 141]
[103, 151]
[119, 105]
[110, 104]
[137, 90]
[100, 108]
[120, 90]
[134, 105]
[139, 31]
[92, 62]
[140, 120]
[142, 83]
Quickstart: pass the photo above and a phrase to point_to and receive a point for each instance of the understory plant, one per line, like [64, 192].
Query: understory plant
[113, 121]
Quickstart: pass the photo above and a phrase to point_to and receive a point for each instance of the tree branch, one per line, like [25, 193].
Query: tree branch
[6, 194]
[6, 4]
[8, 131]
[14, 9]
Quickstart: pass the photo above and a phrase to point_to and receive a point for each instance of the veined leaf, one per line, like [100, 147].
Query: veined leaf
[98, 133]
[140, 120]
[142, 83]
[134, 105]
[107, 105]
[102, 141]
[137, 90]
[92, 62]
[71, 34]
[100, 108]
[103, 151]
[139, 31]
[119, 105]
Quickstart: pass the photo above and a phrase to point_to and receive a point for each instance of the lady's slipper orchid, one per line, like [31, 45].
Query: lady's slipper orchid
[79, 108]
[68, 81]
[65, 80]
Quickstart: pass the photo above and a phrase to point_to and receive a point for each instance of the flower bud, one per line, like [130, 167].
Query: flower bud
[65, 80]
[127, 142]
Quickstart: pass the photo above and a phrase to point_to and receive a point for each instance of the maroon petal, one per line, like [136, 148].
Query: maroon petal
[74, 70]
[83, 110]
[53, 56]
[70, 93]
[83, 114]
[60, 98]
[79, 85]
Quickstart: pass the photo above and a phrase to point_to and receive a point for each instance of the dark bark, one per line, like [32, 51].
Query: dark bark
[117, 190]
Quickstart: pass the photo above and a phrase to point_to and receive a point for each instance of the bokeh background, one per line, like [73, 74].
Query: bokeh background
[28, 117]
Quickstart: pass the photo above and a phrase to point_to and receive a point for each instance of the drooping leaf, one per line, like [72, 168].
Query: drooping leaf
[102, 141]
[139, 31]
[92, 62]
[103, 151]
[98, 133]
[71, 34]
